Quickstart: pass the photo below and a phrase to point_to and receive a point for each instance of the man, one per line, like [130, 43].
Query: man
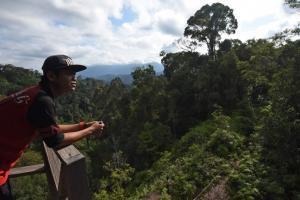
[31, 112]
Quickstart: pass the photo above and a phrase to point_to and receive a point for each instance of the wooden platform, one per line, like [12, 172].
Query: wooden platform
[28, 170]
[66, 173]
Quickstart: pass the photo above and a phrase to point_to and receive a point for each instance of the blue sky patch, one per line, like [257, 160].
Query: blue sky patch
[127, 16]
[261, 21]
[60, 23]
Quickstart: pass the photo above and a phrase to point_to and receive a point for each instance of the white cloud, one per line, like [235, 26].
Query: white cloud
[31, 30]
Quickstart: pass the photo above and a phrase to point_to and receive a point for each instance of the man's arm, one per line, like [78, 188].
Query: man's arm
[71, 137]
[42, 117]
[65, 128]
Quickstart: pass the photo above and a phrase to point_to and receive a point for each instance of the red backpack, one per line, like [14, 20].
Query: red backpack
[15, 131]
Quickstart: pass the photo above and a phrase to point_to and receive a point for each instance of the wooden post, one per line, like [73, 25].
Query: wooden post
[74, 174]
[66, 173]
[53, 172]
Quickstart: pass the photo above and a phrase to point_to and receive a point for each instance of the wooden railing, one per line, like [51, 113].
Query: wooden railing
[66, 173]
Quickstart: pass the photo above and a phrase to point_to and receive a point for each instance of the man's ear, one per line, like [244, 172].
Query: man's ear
[51, 76]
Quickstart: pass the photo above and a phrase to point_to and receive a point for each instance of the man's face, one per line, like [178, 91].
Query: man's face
[64, 81]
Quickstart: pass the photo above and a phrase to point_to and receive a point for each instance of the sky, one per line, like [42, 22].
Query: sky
[97, 32]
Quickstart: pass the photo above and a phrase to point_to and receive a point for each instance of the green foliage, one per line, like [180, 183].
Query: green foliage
[153, 139]
[203, 83]
[257, 72]
[245, 178]
[191, 164]
[113, 186]
[30, 187]
[33, 187]
[281, 129]
[146, 119]
[244, 183]
[223, 141]
[14, 78]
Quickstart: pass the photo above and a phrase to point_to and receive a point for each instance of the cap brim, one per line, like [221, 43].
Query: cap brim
[77, 68]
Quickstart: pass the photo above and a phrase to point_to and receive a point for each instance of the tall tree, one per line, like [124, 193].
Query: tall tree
[209, 23]
[293, 3]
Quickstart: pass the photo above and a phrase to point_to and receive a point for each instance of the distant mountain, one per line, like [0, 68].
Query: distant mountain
[123, 71]
[126, 78]
[119, 69]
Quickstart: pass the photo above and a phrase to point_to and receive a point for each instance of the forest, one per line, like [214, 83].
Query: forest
[220, 125]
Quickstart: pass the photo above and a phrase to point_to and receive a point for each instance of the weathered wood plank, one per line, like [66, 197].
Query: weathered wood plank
[66, 172]
[53, 172]
[74, 173]
[54, 164]
[75, 180]
[69, 154]
[28, 170]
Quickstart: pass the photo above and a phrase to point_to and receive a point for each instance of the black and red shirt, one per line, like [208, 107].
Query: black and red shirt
[42, 116]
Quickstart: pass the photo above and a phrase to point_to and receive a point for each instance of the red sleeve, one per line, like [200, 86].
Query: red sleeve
[48, 131]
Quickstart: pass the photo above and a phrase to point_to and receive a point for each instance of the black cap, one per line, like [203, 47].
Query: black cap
[57, 62]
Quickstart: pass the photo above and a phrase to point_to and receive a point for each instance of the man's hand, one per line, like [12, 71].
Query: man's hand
[94, 128]
[88, 124]
[97, 127]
